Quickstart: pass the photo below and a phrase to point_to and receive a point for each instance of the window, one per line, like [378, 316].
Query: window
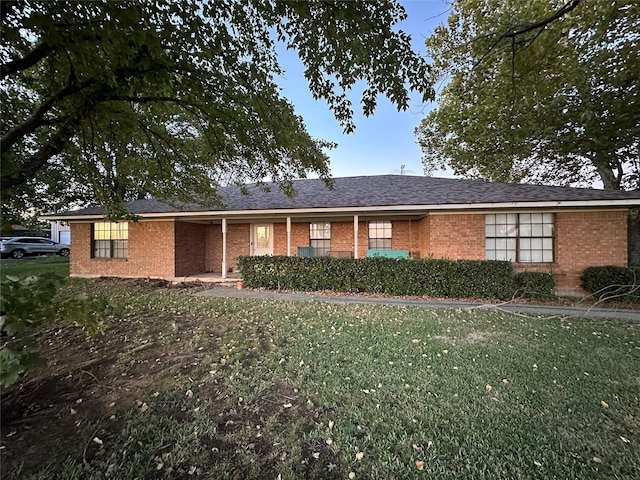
[380, 235]
[519, 237]
[320, 238]
[110, 240]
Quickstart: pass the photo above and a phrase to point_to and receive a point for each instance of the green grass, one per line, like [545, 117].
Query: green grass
[298, 390]
[37, 266]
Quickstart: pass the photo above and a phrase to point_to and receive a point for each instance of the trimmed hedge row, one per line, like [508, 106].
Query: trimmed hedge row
[609, 281]
[535, 285]
[432, 277]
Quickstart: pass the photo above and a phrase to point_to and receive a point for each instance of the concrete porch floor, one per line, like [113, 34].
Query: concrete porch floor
[210, 277]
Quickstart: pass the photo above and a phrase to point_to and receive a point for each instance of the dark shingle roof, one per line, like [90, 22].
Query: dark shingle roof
[383, 190]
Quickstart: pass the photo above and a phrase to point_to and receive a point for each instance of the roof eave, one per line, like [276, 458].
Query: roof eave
[561, 204]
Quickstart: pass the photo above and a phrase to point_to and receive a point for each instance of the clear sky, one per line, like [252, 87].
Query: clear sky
[385, 141]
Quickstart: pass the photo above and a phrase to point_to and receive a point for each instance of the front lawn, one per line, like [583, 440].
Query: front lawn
[24, 267]
[192, 387]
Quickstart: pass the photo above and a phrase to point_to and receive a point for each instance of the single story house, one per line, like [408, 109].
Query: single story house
[541, 228]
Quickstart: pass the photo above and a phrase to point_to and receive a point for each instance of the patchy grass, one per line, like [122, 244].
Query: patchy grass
[25, 267]
[180, 386]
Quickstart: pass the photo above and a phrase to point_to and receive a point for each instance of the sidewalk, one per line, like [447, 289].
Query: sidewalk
[527, 309]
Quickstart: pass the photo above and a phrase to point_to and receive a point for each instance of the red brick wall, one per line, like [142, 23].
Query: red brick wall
[405, 235]
[456, 236]
[190, 248]
[342, 236]
[424, 238]
[238, 238]
[151, 252]
[168, 249]
[582, 239]
[586, 239]
[212, 238]
[363, 239]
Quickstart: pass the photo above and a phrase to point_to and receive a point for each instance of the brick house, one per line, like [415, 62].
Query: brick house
[552, 229]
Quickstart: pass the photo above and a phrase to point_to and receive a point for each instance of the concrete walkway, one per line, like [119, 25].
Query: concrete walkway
[531, 310]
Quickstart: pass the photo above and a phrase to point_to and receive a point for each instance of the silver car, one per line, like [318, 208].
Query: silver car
[18, 247]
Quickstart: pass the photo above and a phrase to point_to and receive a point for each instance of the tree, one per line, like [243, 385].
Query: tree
[122, 99]
[542, 91]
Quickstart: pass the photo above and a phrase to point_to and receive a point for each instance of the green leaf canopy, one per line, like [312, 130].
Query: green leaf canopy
[112, 100]
[541, 91]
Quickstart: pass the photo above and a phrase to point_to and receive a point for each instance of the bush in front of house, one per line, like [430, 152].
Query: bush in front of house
[535, 285]
[431, 277]
[610, 282]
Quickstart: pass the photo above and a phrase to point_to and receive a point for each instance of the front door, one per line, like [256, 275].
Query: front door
[262, 241]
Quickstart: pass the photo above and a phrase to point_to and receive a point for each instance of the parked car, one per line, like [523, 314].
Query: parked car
[18, 247]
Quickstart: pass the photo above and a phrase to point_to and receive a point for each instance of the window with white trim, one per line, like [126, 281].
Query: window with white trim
[110, 240]
[380, 235]
[320, 238]
[519, 237]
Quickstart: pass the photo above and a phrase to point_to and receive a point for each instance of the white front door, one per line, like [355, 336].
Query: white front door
[262, 239]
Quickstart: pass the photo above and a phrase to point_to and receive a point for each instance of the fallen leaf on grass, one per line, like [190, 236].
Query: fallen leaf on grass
[352, 475]
[97, 440]
[189, 393]
[604, 404]
[488, 387]
[419, 464]
[359, 456]
[331, 424]
[316, 455]
[417, 447]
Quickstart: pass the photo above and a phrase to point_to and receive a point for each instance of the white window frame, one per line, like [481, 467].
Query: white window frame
[380, 235]
[320, 238]
[110, 240]
[526, 237]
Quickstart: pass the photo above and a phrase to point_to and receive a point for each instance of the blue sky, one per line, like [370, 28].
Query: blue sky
[384, 141]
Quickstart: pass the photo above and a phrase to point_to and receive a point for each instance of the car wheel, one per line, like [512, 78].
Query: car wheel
[64, 252]
[17, 253]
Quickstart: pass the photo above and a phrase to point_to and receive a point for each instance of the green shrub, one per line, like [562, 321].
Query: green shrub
[26, 304]
[535, 285]
[612, 282]
[432, 277]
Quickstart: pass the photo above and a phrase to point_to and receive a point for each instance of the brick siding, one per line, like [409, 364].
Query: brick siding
[456, 236]
[168, 249]
[151, 252]
[190, 241]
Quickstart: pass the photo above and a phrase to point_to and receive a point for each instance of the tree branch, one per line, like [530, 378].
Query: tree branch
[36, 119]
[523, 28]
[17, 65]
[35, 162]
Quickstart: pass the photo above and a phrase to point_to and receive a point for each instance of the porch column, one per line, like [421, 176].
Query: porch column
[355, 236]
[224, 248]
[288, 236]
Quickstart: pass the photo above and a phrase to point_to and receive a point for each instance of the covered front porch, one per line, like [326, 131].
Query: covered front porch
[227, 237]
